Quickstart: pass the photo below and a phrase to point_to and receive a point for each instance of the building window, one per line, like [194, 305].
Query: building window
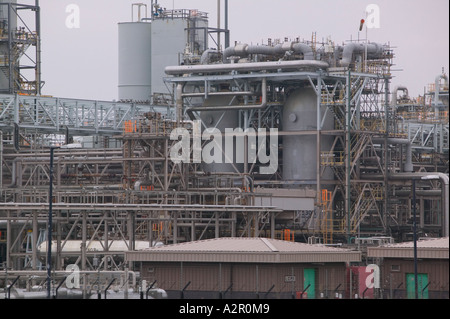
[395, 267]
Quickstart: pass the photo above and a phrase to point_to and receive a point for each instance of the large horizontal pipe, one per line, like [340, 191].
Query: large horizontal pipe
[71, 152]
[204, 189]
[226, 93]
[423, 192]
[60, 273]
[374, 49]
[243, 50]
[68, 158]
[73, 217]
[73, 247]
[263, 103]
[131, 207]
[245, 67]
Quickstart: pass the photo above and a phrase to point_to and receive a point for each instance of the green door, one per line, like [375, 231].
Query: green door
[422, 286]
[309, 282]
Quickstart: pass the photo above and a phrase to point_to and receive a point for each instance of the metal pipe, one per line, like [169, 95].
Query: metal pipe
[63, 273]
[109, 285]
[268, 291]
[242, 50]
[429, 176]
[262, 105]
[237, 199]
[139, 183]
[205, 58]
[10, 286]
[416, 284]
[128, 207]
[185, 287]
[179, 102]
[303, 48]
[374, 49]
[304, 290]
[437, 92]
[245, 67]
[227, 32]
[68, 158]
[348, 153]
[218, 24]
[408, 166]
[234, 189]
[148, 289]
[262, 49]
[1, 160]
[59, 286]
[14, 174]
[423, 192]
[50, 216]
[394, 94]
[228, 93]
[38, 48]
[387, 119]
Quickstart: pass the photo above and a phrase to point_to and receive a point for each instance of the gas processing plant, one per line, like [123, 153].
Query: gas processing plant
[293, 139]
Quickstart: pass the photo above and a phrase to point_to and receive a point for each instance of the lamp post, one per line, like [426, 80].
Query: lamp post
[416, 285]
[49, 229]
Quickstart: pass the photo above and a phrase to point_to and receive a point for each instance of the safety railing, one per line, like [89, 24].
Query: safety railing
[335, 158]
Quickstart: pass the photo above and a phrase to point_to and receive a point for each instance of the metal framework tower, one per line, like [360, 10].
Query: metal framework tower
[20, 49]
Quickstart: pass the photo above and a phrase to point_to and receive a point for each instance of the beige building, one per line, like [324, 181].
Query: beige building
[396, 263]
[245, 268]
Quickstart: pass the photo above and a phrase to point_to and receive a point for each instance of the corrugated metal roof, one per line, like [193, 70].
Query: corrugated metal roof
[233, 244]
[437, 248]
[245, 250]
[423, 243]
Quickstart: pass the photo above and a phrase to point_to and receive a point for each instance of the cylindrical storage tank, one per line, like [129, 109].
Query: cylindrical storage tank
[4, 13]
[300, 152]
[135, 63]
[221, 121]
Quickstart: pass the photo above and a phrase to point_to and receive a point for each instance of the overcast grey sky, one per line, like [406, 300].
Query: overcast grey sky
[83, 62]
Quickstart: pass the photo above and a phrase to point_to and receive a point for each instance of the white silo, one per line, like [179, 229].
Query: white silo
[146, 47]
[135, 67]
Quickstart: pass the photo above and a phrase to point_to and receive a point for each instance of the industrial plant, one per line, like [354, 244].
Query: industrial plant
[224, 169]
